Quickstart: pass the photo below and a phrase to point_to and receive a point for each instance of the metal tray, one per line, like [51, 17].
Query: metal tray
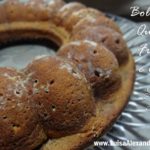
[134, 122]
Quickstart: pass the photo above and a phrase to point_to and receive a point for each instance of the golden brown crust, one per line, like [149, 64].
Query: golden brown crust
[106, 36]
[67, 10]
[80, 15]
[99, 21]
[19, 124]
[91, 58]
[36, 30]
[31, 10]
[37, 20]
[64, 99]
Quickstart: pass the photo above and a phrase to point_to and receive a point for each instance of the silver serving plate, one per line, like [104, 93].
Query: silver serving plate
[134, 122]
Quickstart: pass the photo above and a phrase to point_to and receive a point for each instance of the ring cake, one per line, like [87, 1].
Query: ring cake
[62, 102]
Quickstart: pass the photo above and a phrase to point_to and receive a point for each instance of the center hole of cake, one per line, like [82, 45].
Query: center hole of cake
[20, 54]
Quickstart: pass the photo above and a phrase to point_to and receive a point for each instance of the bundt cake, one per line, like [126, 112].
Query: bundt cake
[62, 102]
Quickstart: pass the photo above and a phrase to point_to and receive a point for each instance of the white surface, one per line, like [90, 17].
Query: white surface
[20, 56]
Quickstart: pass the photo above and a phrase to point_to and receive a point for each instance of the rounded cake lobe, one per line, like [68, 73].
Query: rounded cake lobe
[31, 10]
[62, 95]
[19, 125]
[108, 37]
[75, 17]
[97, 63]
[92, 22]
[67, 10]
